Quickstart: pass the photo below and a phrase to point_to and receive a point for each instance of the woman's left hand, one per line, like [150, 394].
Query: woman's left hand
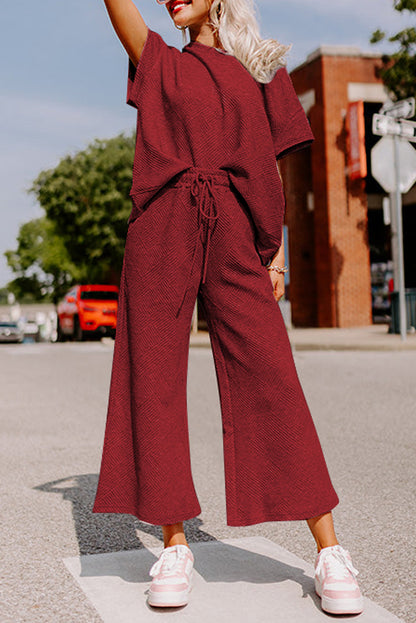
[278, 281]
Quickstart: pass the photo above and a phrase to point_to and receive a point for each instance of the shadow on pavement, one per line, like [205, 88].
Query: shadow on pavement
[217, 562]
[99, 533]
[116, 533]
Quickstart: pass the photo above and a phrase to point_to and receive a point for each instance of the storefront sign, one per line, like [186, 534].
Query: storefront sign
[357, 161]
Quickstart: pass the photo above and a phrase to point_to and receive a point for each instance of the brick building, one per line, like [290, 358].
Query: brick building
[327, 214]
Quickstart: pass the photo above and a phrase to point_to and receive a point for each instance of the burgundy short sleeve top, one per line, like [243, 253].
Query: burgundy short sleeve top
[200, 107]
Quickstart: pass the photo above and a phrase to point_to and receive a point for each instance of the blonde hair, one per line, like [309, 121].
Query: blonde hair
[236, 26]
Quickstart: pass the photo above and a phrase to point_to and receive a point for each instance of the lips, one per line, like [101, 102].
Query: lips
[178, 3]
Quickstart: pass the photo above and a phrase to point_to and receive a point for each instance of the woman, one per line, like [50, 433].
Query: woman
[206, 222]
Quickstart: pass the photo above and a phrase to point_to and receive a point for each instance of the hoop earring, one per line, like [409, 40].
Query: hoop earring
[180, 27]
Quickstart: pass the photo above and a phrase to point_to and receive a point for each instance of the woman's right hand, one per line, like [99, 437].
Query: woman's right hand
[278, 282]
[129, 26]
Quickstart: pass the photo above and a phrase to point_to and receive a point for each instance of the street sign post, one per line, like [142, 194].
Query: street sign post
[382, 164]
[405, 109]
[391, 122]
[384, 125]
[399, 225]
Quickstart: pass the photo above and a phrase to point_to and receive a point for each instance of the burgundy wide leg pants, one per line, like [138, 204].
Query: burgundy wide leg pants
[196, 238]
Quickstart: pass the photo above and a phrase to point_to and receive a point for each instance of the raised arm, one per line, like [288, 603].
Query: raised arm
[129, 26]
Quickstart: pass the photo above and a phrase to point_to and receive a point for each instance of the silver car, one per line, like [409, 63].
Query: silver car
[11, 331]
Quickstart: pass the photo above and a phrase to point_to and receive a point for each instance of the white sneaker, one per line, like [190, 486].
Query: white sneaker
[335, 582]
[172, 576]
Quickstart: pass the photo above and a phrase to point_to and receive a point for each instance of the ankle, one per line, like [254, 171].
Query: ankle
[176, 538]
[175, 541]
[174, 534]
[331, 543]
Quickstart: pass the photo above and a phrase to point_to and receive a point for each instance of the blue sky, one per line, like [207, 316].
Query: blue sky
[63, 78]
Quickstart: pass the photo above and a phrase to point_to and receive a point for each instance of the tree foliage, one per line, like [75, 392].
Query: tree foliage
[81, 238]
[41, 263]
[399, 68]
[86, 197]
[4, 292]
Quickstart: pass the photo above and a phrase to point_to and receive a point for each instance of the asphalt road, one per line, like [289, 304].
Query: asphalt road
[52, 417]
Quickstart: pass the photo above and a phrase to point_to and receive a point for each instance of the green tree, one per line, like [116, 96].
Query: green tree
[3, 296]
[87, 198]
[41, 263]
[399, 68]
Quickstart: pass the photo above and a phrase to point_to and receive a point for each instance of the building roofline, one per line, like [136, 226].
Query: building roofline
[337, 50]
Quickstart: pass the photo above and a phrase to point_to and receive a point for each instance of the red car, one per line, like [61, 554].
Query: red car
[87, 311]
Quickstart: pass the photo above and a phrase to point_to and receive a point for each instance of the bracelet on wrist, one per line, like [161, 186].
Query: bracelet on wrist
[278, 269]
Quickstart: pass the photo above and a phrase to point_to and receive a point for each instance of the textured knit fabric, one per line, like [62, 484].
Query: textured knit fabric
[201, 107]
[274, 466]
[207, 211]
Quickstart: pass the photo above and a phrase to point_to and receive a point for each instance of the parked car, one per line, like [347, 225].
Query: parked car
[11, 331]
[381, 289]
[31, 329]
[87, 311]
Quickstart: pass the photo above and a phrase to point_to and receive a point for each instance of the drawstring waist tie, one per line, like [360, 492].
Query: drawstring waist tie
[202, 186]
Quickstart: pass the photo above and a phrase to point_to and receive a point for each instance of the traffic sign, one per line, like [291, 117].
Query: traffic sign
[384, 125]
[382, 164]
[393, 162]
[404, 109]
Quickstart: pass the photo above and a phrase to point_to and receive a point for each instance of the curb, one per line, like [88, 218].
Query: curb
[356, 339]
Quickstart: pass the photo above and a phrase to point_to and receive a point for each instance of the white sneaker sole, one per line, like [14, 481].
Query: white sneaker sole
[168, 599]
[340, 606]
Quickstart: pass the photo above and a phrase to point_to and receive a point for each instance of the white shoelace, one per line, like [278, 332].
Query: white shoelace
[340, 566]
[167, 562]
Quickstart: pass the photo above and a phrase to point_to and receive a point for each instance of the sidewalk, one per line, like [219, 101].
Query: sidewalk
[251, 580]
[51, 443]
[373, 337]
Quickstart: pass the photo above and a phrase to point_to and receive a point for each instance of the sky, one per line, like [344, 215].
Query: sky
[63, 78]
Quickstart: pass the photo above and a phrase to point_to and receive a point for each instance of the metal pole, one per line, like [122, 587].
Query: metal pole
[394, 244]
[399, 225]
